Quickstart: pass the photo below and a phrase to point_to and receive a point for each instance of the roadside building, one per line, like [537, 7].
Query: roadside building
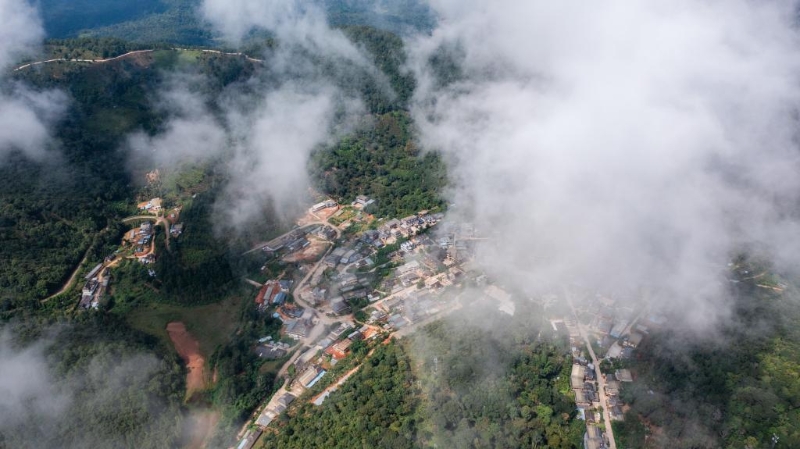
[612, 387]
[580, 399]
[623, 375]
[577, 377]
[615, 351]
[618, 329]
[249, 440]
[634, 340]
[311, 376]
[94, 271]
[323, 205]
[297, 329]
[593, 438]
[339, 306]
[270, 351]
[340, 349]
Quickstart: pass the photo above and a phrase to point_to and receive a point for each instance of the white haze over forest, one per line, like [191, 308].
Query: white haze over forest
[619, 145]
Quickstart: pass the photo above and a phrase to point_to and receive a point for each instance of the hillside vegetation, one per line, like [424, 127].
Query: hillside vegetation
[453, 384]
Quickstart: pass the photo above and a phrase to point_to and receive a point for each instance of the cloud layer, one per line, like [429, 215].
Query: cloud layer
[265, 128]
[618, 145]
[25, 115]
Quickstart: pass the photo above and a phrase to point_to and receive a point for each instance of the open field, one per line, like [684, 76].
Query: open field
[210, 324]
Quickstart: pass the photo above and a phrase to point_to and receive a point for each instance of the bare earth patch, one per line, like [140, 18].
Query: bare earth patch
[189, 350]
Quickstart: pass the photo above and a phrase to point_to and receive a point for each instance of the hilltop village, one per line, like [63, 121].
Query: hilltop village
[364, 280]
[349, 281]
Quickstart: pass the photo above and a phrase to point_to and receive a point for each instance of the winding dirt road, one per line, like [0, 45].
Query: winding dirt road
[72, 278]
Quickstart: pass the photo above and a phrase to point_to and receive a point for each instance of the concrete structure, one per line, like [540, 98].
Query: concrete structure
[577, 377]
[623, 375]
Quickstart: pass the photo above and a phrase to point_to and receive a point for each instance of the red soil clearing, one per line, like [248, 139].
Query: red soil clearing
[189, 350]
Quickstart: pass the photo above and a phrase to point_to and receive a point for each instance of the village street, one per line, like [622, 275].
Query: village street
[601, 390]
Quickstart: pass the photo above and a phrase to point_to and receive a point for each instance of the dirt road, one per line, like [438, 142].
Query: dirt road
[71, 279]
[130, 53]
[189, 350]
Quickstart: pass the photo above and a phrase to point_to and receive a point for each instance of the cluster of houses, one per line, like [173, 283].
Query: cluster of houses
[618, 334]
[290, 242]
[274, 408]
[395, 229]
[273, 293]
[401, 310]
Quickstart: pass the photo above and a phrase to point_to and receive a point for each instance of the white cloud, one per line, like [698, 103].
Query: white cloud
[25, 115]
[619, 144]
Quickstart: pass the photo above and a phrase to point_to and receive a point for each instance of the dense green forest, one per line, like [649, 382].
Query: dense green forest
[53, 211]
[376, 407]
[383, 162]
[736, 389]
[453, 384]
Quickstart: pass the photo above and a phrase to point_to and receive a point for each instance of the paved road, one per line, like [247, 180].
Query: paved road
[600, 381]
[130, 53]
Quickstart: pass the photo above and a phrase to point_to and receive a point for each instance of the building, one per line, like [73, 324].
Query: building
[623, 375]
[323, 205]
[580, 399]
[297, 329]
[311, 376]
[339, 306]
[363, 201]
[340, 349]
[612, 387]
[279, 299]
[153, 205]
[270, 351]
[577, 377]
[349, 256]
[408, 267]
[146, 228]
[634, 340]
[593, 438]
[348, 279]
[407, 245]
[249, 440]
[94, 272]
[176, 229]
[618, 329]
[90, 287]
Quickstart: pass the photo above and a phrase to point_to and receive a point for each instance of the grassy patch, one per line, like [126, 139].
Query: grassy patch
[210, 324]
